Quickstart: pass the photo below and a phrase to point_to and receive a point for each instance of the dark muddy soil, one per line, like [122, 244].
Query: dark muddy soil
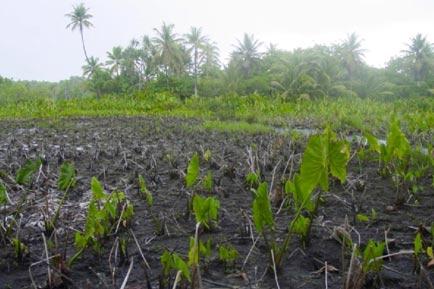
[117, 150]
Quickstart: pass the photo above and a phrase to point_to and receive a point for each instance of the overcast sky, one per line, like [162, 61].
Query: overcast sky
[34, 43]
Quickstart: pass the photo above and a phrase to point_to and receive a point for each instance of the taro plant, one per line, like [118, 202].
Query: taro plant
[370, 261]
[323, 157]
[106, 214]
[67, 180]
[20, 249]
[144, 192]
[206, 214]
[253, 179]
[208, 182]
[173, 262]
[25, 174]
[193, 171]
[397, 159]
[228, 256]
[206, 210]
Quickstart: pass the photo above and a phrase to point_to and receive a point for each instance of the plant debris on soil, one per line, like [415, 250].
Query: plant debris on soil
[118, 150]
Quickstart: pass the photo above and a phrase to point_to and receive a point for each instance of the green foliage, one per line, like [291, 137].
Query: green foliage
[418, 244]
[20, 249]
[373, 250]
[97, 189]
[253, 179]
[3, 194]
[323, 156]
[261, 209]
[172, 261]
[66, 177]
[207, 155]
[206, 210]
[228, 254]
[192, 171]
[208, 182]
[301, 226]
[205, 249]
[144, 192]
[362, 218]
[104, 214]
[25, 173]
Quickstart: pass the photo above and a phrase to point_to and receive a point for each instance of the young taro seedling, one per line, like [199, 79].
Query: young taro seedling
[106, 213]
[206, 214]
[371, 262]
[25, 174]
[66, 181]
[144, 192]
[173, 262]
[228, 255]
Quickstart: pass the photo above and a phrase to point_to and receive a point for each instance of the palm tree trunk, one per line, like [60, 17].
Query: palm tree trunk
[82, 42]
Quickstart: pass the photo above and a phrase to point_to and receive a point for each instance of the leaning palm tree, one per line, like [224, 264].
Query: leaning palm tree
[246, 54]
[92, 65]
[80, 19]
[196, 41]
[115, 58]
[169, 52]
[420, 52]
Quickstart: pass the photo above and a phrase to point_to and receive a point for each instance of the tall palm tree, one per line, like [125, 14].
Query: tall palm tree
[169, 52]
[246, 54]
[115, 58]
[420, 51]
[209, 59]
[351, 53]
[80, 19]
[196, 40]
[91, 66]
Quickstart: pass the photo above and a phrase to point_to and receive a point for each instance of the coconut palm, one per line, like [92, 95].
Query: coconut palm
[115, 58]
[209, 59]
[351, 53]
[80, 19]
[169, 52]
[196, 41]
[91, 66]
[246, 54]
[420, 52]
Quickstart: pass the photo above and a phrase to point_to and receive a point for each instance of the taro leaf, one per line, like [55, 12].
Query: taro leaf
[192, 171]
[262, 214]
[397, 144]
[97, 189]
[362, 218]
[324, 155]
[372, 142]
[208, 182]
[180, 265]
[3, 194]
[418, 247]
[26, 172]
[301, 226]
[300, 194]
[145, 192]
[193, 253]
[205, 209]
[372, 251]
[67, 176]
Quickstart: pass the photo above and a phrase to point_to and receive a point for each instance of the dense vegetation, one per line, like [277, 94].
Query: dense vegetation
[189, 64]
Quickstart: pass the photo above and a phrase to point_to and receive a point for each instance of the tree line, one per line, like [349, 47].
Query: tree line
[189, 64]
